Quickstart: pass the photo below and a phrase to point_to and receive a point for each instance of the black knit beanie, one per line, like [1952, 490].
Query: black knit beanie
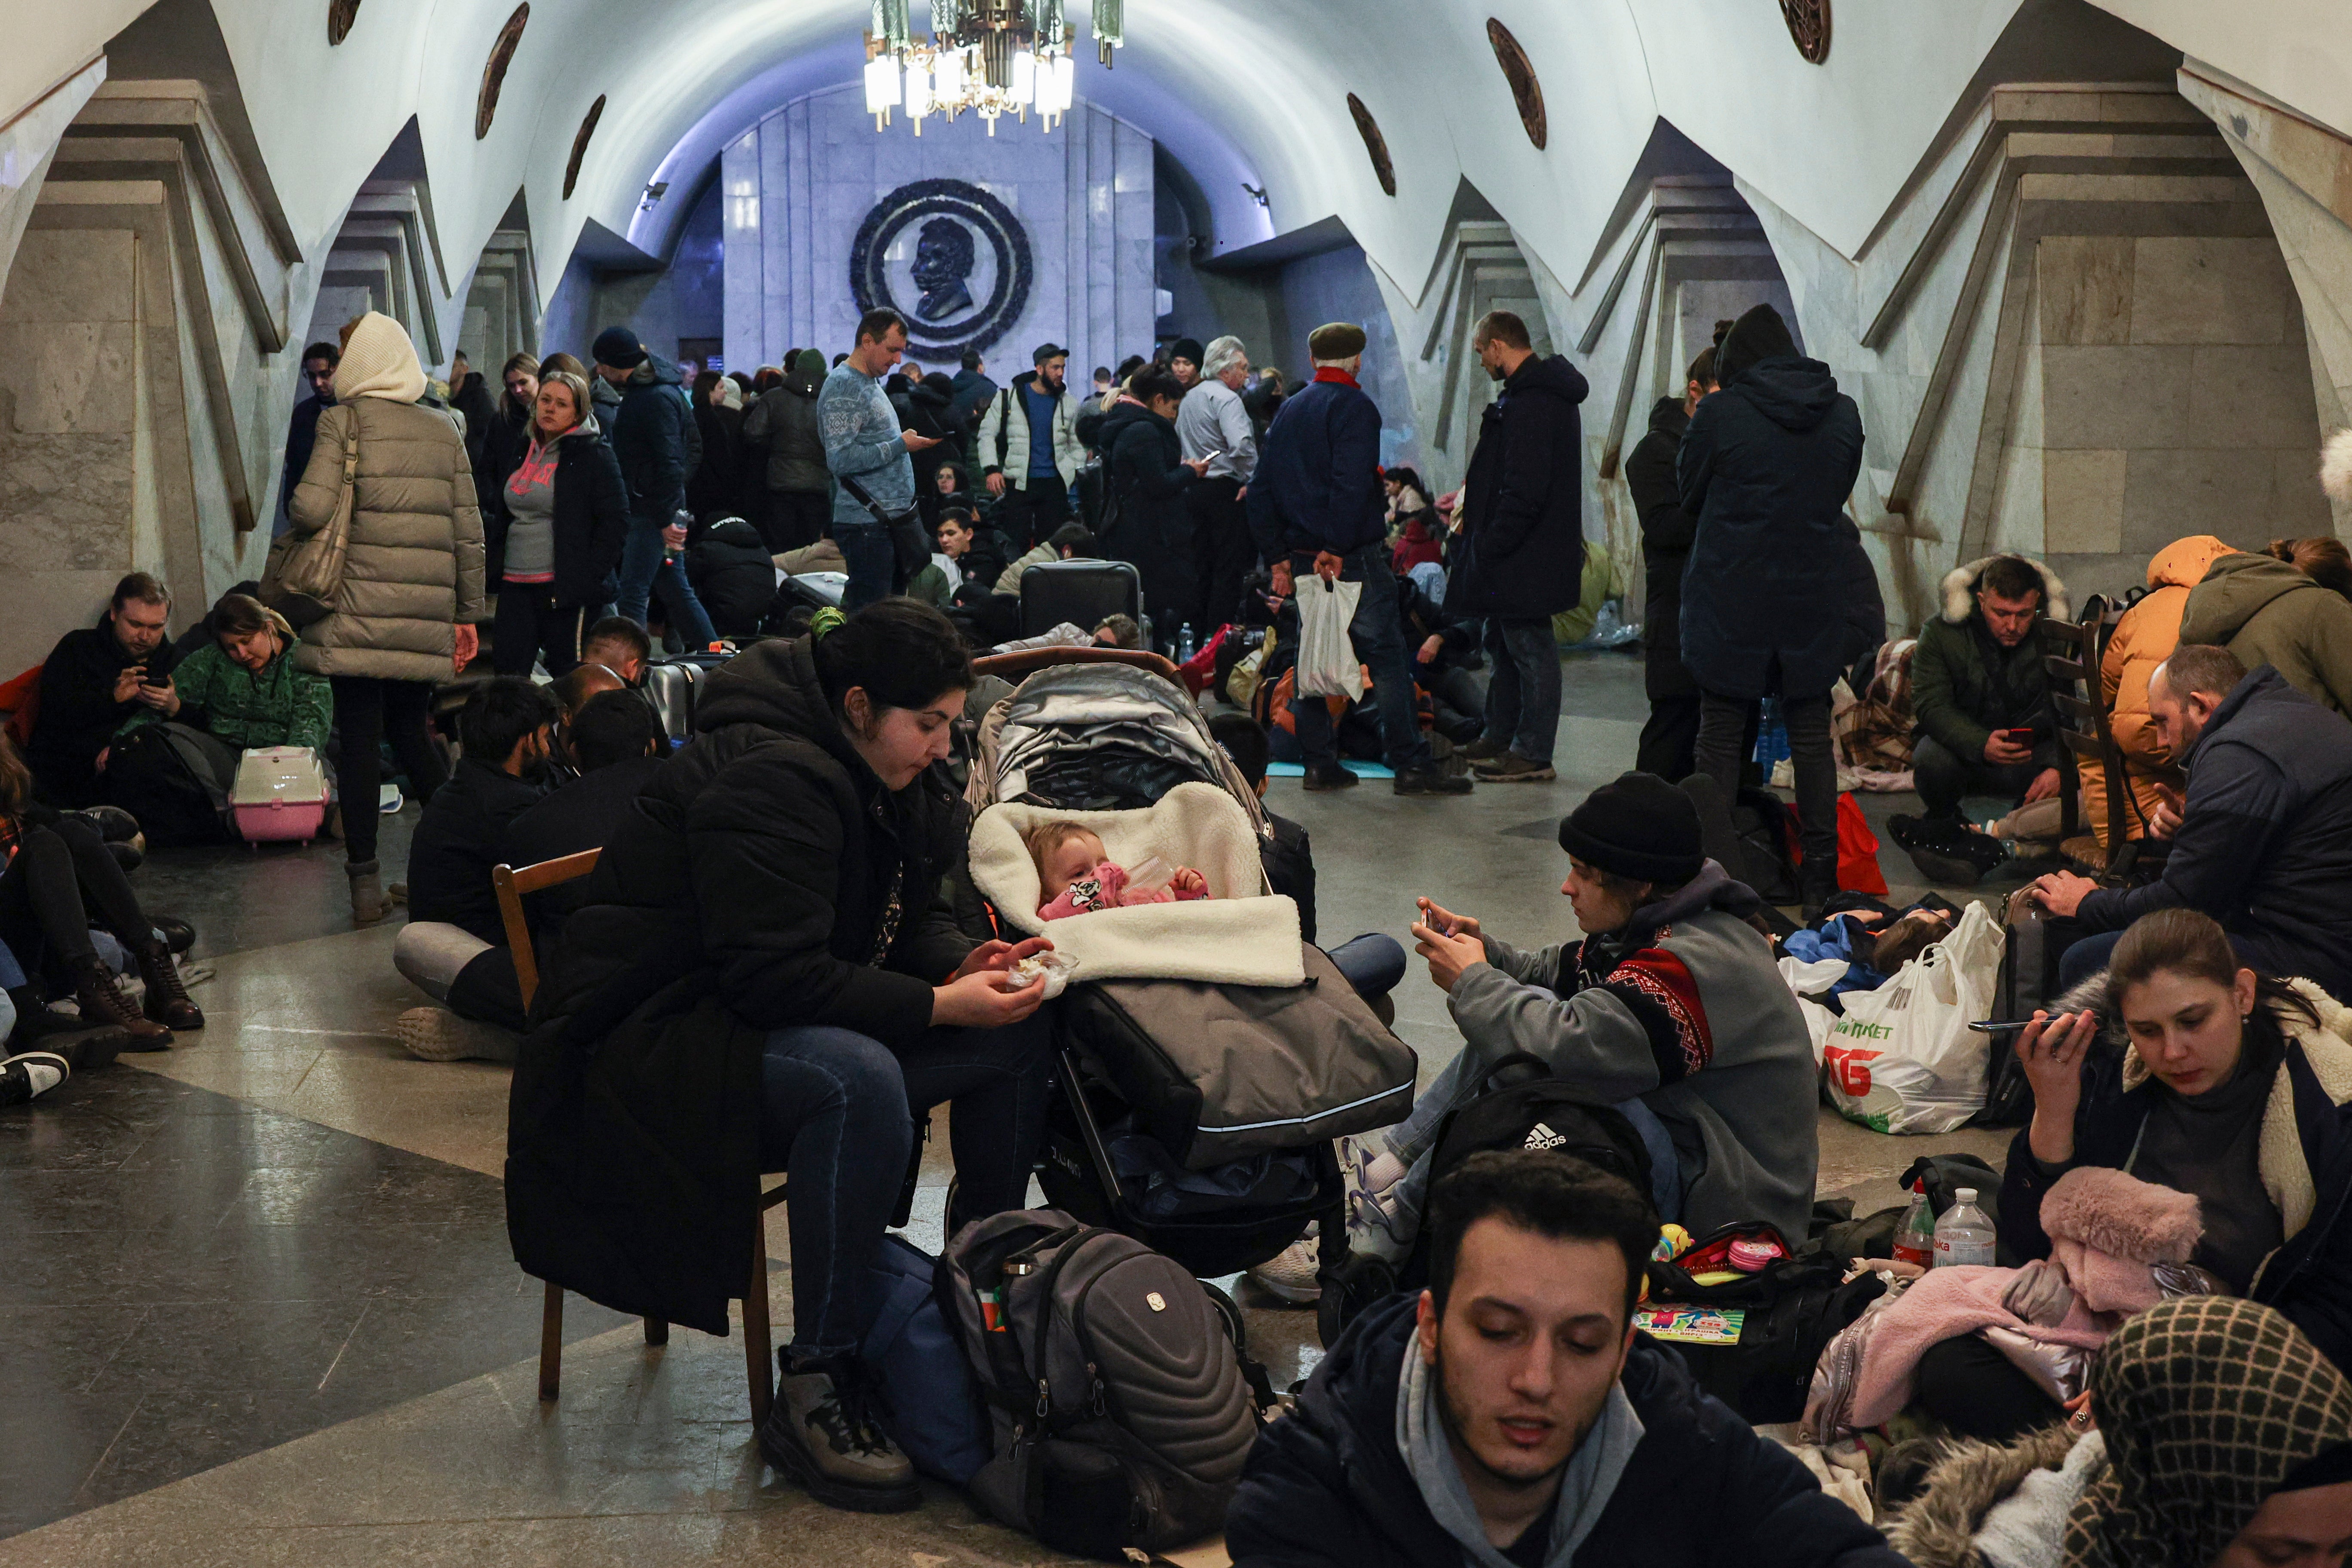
[1186, 348]
[1640, 826]
[1758, 336]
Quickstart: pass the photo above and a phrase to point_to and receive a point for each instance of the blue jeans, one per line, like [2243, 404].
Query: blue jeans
[867, 552]
[839, 1116]
[2091, 953]
[647, 570]
[1379, 640]
[1373, 965]
[1523, 692]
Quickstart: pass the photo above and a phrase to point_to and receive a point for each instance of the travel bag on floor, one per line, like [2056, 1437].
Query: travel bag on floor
[175, 780]
[1903, 1058]
[280, 794]
[1752, 1343]
[931, 1406]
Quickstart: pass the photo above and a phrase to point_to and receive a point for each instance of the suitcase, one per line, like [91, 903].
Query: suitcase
[670, 687]
[280, 794]
[1079, 592]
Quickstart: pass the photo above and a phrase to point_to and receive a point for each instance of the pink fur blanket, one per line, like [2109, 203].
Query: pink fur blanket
[1944, 1305]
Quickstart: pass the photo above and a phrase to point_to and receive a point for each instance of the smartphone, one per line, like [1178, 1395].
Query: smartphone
[2018, 737]
[2001, 1025]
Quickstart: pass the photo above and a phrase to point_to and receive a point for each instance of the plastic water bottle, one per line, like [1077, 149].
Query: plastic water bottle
[1184, 649]
[1964, 1235]
[1914, 1238]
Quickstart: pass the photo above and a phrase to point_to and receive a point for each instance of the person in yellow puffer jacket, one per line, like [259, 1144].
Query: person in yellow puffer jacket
[2144, 638]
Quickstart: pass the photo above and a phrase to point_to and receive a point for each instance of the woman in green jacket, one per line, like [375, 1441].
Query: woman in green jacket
[243, 686]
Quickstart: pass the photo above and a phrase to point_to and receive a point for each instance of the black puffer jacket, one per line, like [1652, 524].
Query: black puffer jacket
[591, 517]
[2265, 838]
[1328, 1486]
[733, 575]
[1521, 552]
[1667, 533]
[1766, 467]
[1143, 461]
[746, 891]
[656, 437]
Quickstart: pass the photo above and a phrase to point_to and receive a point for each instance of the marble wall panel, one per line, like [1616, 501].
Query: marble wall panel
[2195, 288]
[2084, 284]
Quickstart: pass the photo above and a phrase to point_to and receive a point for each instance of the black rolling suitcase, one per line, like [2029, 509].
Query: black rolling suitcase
[1079, 592]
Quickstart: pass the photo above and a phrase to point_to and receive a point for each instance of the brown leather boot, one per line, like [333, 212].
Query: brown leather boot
[103, 1005]
[167, 999]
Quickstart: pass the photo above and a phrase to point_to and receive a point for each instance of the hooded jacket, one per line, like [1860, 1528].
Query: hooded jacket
[749, 888]
[1667, 533]
[415, 569]
[2145, 637]
[1329, 1486]
[1521, 551]
[2265, 838]
[1004, 436]
[784, 422]
[78, 716]
[591, 514]
[1964, 684]
[1773, 598]
[655, 436]
[930, 410]
[2267, 612]
[1318, 485]
[1144, 462]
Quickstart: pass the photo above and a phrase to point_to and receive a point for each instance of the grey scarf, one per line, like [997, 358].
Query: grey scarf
[1585, 1486]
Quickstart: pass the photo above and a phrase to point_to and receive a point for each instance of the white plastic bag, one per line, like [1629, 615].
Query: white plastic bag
[1807, 979]
[1328, 666]
[1903, 1059]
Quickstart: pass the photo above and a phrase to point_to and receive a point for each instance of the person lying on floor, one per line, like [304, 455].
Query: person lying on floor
[1670, 1009]
[1508, 1416]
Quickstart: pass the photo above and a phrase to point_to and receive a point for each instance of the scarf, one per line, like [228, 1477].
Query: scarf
[1585, 1486]
[2207, 1402]
[379, 361]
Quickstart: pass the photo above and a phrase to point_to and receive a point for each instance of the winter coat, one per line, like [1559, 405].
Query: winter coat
[301, 434]
[931, 412]
[507, 436]
[2267, 612]
[714, 488]
[281, 706]
[592, 516]
[1145, 464]
[1004, 435]
[2143, 638]
[1289, 859]
[1667, 533]
[659, 446]
[1328, 1484]
[1965, 685]
[755, 884]
[1318, 473]
[1769, 598]
[733, 574]
[1683, 1010]
[472, 398]
[1009, 579]
[460, 836]
[2265, 838]
[415, 570]
[78, 716]
[2303, 1155]
[1520, 554]
[784, 422]
[1945, 1525]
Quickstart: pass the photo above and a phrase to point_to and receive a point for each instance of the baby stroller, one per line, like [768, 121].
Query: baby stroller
[1202, 1074]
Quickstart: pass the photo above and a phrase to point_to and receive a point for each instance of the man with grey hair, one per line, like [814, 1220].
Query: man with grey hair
[1212, 423]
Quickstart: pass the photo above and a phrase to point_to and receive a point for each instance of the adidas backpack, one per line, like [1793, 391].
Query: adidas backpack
[1119, 1410]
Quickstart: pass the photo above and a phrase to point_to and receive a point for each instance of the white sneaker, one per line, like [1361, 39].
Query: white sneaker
[1289, 1275]
[31, 1073]
[437, 1035]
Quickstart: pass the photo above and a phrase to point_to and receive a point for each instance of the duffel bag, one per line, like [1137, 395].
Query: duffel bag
[1752, 1343]
[175, 779]
[931, 1406]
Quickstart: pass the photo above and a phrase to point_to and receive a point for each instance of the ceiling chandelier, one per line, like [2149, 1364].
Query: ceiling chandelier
[991, 57]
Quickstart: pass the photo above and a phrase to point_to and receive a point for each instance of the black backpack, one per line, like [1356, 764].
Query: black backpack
[1789, 1310]
[175, 780]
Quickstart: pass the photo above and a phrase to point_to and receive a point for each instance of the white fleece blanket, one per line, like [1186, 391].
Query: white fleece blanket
[1240, 935]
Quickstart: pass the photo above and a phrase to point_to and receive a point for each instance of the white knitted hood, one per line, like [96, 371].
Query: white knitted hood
[379, 361]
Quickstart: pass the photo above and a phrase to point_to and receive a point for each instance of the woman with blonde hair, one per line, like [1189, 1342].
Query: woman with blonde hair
[244, 686]
[557, 536]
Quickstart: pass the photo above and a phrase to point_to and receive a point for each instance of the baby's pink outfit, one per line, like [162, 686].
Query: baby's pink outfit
[1106, 888]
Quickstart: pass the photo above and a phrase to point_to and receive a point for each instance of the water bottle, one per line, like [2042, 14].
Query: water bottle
[1914, 1238]
[1184, 649]
[1964, 1235]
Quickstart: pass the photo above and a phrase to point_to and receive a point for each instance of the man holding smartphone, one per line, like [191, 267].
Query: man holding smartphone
[1213, 425]
[95, 682]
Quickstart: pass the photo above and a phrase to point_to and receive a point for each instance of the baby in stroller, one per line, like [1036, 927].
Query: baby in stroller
[1076, 874]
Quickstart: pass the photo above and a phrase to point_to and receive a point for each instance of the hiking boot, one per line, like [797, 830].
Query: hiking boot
[370, 903]
[34, 1022]
[1321, 776]
[114, 825]
[178, 934]
[1512, 768]
[1429, 781]
[103, 1005]
[1290, 1275]
[1946, 849]
[167, 995]
[32, 1073]
[1818, 888]
[437, 1035]
[1483, 749]
[129, 853]
[820, 1433]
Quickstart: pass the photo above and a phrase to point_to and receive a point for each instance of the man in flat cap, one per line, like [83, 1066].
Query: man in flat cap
[1316, 505]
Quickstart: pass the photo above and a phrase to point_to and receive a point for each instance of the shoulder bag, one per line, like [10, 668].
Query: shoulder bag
[305, 571]
[910, 545]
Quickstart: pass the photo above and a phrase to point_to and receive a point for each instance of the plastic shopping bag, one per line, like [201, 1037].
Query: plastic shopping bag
[1903, 1058]
[1326, 657]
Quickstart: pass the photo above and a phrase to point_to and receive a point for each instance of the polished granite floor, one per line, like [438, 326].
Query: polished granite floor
[257, 1307]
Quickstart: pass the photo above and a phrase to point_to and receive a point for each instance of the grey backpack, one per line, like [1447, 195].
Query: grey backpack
[1118, 1406]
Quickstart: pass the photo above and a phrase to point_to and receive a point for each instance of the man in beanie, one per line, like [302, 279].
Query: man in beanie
[1315, 503]
[1184, 357]
[1671, 1009]
[654, 437]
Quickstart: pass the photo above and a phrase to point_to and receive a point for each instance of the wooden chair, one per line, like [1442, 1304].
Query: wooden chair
[512, 883]
[2084, 732]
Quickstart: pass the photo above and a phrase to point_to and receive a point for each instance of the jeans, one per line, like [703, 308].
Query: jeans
[647, 570]
[59, 877]
[1379, 640]
[839, 1117]
[871, 560]
[1723, 728]
[1373, 965]
[529, 622]
[473, 978]
[1942, 777]
[1523, 692]
[369, 711]
[2090, 954]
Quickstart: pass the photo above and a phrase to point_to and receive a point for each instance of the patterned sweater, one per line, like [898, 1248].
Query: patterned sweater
[282, 706]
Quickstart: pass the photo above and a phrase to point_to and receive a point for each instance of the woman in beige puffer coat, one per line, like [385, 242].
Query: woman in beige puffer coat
[403, 618]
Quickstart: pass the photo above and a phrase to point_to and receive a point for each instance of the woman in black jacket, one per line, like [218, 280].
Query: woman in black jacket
[1149, 475]
[562, 514]
[1670, 737]
[764, 977]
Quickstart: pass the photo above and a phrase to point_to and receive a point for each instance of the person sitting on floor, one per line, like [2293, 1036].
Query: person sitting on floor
[621, 646]
[1510, 1415]
[242, 687]
[454, 947]
[1067, 542]
[1670, 1010]
[2263, 841]
[95, 682]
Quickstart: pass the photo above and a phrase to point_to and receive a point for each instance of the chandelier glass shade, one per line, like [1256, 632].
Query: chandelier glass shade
[994, 57]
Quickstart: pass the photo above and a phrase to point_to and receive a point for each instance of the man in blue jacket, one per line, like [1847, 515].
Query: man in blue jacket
[654, 438]
[1510, 1417]
[1316, 504]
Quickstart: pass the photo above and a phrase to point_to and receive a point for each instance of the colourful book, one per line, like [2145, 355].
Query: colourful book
[1691, 1325]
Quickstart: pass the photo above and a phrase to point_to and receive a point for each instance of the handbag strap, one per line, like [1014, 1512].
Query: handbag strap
[859, 494]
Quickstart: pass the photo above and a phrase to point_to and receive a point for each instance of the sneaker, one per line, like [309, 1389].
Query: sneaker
[821, 1435]
[30, 1074]
[1512, 768]
[1290, 1275]
[388, 799]
[1429, 781]
[1375, 1227]
[1946, 850]
[1321, 776]
[1357, 1152]
[1483, 749]
[437, 1035]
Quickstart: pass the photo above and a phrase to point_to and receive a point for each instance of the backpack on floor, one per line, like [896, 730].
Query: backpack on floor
[931, 1406]
[1753, 1342]
[1119, 1411]
[175, 780]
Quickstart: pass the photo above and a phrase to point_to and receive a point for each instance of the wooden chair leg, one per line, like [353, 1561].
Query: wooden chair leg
[551, 1341]
[757, 1365]
[657, 1330]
